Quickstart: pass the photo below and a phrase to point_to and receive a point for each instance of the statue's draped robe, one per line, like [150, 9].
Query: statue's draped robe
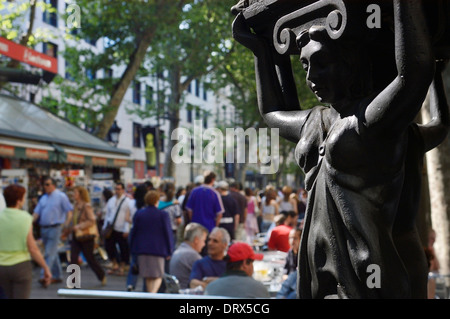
[353, 200]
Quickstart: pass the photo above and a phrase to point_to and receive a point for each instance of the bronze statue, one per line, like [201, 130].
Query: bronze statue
[362, 153]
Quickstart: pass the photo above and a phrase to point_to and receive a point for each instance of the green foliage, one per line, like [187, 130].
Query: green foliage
[191, 38]
[196, 43]
[14, 15]
[121, 25]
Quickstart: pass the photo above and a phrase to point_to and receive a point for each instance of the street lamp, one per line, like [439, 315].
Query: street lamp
[113, 134]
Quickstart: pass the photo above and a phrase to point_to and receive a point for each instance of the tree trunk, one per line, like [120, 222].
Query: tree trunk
[173, 116]
[169, 165]
[438, 167]
[439, 180]
[121, 88]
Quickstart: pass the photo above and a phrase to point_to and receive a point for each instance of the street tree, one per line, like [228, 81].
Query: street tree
[191, 48]
[128, 29]
[438, 172]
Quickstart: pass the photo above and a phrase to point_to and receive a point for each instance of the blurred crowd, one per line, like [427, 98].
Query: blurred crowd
[201, 239]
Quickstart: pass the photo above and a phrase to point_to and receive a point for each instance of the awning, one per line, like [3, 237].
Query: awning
[31, 132]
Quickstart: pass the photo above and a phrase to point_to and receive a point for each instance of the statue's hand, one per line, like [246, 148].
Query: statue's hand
[243, 35]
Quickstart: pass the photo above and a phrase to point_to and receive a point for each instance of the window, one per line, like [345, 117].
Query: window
[51, 17]
[205, 95]
[189, 115]
[68, 76]
[197, 88]
[189, 89]
[108, 73]
[137, 92]
[161, 141]
[137, 132]
[91, 41]
[205, 120]
[50, 49]
[90, 74]
[148, 95]
[197, 113]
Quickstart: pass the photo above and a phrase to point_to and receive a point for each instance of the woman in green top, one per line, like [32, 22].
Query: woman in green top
[18, 246]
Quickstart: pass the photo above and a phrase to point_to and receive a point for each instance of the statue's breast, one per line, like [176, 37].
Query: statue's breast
[312, 135]
[343, 147]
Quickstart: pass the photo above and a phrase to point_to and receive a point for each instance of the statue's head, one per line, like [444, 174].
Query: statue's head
[336, 70]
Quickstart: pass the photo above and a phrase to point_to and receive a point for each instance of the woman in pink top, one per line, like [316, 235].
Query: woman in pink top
[251, 222]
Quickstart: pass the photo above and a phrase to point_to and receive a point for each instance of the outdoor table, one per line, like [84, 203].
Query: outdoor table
[269, 271]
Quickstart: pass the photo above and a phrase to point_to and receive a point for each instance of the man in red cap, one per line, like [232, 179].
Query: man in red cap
[237, 281]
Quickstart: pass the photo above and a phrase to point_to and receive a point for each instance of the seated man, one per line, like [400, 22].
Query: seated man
[279, 237]
[212, 266]
[239, 274]
[187, 253]
[288, 289]
[292, 256]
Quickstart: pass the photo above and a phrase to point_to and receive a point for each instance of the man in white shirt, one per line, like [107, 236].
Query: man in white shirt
[118, 213]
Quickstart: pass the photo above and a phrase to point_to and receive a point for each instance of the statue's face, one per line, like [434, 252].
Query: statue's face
[324, 74]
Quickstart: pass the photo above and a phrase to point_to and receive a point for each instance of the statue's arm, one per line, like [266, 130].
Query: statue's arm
[398, 104]
[277, 95]
[435, 131]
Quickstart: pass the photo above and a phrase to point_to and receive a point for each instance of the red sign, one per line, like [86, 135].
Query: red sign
[139, 169]
[121, 163]
[6, 150]
[74, 158]
[27, 55]
[36, 154]
[99, 161]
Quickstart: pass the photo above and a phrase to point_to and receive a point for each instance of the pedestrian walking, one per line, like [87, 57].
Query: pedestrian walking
[82, 221]
[18, 247]
[169, 203]
[205, 204]
[139, 202]
[241, 200]
[251, 222]
[230, 217]
[51, 213]
[151, 239]
[118, 215]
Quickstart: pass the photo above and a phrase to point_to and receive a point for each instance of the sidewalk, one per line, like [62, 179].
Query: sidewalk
[88, 281]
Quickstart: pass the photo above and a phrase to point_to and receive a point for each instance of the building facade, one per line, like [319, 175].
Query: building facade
[204, 105]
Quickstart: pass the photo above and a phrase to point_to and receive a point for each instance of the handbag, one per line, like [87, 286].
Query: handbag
[88, 233]
[107, 231]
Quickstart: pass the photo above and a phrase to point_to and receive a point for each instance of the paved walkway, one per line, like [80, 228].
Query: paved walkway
[88, 281]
